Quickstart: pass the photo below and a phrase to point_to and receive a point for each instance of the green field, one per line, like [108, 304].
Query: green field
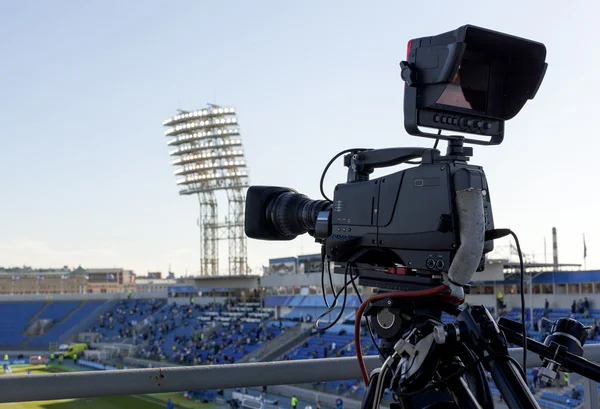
[155, 401]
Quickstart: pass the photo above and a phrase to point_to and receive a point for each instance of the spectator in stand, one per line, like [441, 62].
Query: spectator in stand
[586, 307]
[574, 307]
[580, 306]
[546, 308]
[500, 302]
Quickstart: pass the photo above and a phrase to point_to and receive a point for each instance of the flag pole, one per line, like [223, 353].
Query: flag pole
[584, 253]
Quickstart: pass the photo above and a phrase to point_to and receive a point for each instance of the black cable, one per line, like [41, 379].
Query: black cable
[437, 140]
[522, 300]
[460, 372]
[345, 290]
[349, 264]
[351, 150]
[409, 368]
[324, 265]
[366, 319]
[323, 290]
[330, 277]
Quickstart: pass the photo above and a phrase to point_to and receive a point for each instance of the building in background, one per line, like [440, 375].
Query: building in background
[27, 280]
[310, 263]
[153, 285]
[110, 280]
[285, 265]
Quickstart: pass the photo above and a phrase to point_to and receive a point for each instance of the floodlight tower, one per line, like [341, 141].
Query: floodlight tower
[210, 157]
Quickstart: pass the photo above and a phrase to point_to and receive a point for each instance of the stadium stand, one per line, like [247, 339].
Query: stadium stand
[121, 322]
[224, 333]
[190, 334]
[69, 319]
[14, 320]
[57, 311]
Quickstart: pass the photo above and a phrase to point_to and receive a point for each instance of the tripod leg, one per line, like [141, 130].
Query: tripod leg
[476, 379]
[462, 395]
[369, 396]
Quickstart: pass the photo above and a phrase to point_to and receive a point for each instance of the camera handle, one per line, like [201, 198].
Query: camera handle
[361, 164]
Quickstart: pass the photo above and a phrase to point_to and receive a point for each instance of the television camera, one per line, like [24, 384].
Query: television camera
[419, 235]
[470, 80]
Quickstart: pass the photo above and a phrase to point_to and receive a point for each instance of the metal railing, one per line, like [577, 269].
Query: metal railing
[19, 388]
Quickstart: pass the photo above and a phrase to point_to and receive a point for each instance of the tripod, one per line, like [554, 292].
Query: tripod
[429, 364]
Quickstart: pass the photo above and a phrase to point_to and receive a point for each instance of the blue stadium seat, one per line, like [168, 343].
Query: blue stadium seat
[55, 332]
[14, 320]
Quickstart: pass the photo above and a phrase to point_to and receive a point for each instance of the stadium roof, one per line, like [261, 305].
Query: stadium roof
[309, 257]
[512, 264]
[214, 278]
[282, 260]
[560, 277]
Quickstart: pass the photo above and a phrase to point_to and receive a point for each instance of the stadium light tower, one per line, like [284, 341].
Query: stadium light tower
[209, 157]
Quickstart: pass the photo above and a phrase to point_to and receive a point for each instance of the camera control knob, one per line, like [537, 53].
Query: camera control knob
[439, 334]
[483, 125]
[472, 124]
[408, 73]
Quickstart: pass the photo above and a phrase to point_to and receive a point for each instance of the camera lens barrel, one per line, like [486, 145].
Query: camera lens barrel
[292, 214]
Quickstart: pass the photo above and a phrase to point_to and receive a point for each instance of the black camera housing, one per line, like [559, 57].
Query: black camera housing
[406, 218]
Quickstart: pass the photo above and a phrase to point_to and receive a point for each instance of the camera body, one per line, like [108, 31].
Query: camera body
[407, 218]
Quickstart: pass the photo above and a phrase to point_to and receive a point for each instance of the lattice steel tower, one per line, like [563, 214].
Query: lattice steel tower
[210, 157]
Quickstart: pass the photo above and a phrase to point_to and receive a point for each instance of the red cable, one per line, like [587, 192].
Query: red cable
[397, 294]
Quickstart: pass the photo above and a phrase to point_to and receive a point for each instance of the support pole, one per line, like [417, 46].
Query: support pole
[19, 388]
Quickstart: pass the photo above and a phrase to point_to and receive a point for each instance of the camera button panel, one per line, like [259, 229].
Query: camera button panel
[463, 123]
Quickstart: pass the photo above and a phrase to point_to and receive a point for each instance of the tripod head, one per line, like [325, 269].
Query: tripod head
[418, 348]
[424, 358]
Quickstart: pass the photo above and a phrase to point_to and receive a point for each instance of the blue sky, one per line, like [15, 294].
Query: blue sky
[85, 86]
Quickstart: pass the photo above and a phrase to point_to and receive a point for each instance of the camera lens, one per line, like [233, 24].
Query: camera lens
[292, 214]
